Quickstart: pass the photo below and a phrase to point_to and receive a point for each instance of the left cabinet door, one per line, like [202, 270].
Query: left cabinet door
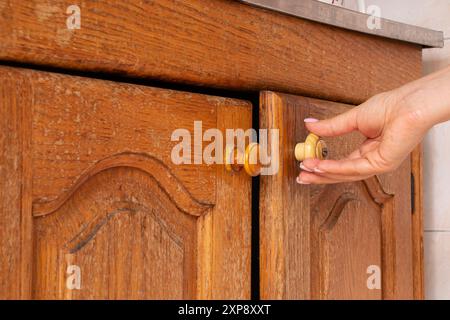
[95, 204]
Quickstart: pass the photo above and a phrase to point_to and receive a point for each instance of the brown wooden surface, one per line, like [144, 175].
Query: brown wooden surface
[15, 187]
[318, 241]
[107, 197]
[417, 223]
[219, 43]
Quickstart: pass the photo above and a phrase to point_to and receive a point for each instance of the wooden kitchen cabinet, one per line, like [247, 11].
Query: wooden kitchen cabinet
[331, 241]
[88, 186]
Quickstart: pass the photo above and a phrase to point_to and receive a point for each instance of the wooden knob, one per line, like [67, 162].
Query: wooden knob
[312, 148]
[235, 160]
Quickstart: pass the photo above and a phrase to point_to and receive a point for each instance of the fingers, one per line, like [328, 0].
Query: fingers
[311, 178]
[358, 165]
[341, 124]
[362, 163]
[346, 167]
[315, 178]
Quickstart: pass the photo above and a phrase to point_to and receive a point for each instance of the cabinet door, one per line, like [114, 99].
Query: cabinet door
[342, 241]
[113, 216]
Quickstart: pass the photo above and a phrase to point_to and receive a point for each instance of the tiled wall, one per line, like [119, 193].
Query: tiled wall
[434, 14]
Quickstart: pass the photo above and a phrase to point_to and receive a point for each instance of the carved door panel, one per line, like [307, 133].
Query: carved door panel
[343, 241]
[113, 215]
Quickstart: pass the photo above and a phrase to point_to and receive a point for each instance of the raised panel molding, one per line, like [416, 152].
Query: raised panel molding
[148, 164]
[368, 190]
[126, 235]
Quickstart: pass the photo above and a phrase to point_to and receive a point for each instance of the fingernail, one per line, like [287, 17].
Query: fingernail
[318, 170]
[299, 181]
[311, 120]
[304, 168]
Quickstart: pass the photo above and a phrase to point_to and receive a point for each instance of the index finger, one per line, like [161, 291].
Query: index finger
[349, 167]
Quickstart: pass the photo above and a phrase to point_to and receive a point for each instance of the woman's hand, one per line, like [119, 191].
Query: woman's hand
[393, 122]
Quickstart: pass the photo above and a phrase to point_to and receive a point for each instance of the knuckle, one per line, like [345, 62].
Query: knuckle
[333, 128]
[382, 98]
[356, 170]
[415, 117]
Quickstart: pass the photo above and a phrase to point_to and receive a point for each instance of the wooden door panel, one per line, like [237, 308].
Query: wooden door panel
[344, 245]
[325, 241]
[122, 239]
[109, 204]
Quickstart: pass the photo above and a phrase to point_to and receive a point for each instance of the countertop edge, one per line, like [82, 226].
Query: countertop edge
[352, 20]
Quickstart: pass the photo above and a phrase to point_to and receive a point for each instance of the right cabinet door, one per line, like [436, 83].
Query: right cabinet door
[342, 241]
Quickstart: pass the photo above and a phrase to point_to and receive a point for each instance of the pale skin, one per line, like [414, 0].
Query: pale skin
[393, 122]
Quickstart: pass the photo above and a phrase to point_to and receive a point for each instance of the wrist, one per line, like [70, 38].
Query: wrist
[425, 108]
[428, 96]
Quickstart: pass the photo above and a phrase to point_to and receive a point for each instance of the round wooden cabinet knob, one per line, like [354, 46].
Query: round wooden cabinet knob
[312, 148]
[235, 160]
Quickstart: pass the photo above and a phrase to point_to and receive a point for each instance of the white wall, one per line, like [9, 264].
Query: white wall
[434, 14]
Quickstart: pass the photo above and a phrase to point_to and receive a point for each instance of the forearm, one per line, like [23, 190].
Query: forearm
[429, 97]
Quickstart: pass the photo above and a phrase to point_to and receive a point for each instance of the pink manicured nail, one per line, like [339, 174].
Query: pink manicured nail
[311, 120]
[318, 170]
[299, 181]
[304, 168]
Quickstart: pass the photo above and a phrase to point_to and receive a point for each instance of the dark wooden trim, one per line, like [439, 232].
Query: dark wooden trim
[417, 223]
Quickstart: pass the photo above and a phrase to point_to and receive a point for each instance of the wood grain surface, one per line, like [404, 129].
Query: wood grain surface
[320, 241]
[15, 186]
[216, 43]
[107, 197]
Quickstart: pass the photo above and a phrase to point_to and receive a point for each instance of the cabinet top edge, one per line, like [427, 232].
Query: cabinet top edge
[352, 20]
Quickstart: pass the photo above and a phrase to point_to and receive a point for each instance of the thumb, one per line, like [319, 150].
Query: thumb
[341, 124]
